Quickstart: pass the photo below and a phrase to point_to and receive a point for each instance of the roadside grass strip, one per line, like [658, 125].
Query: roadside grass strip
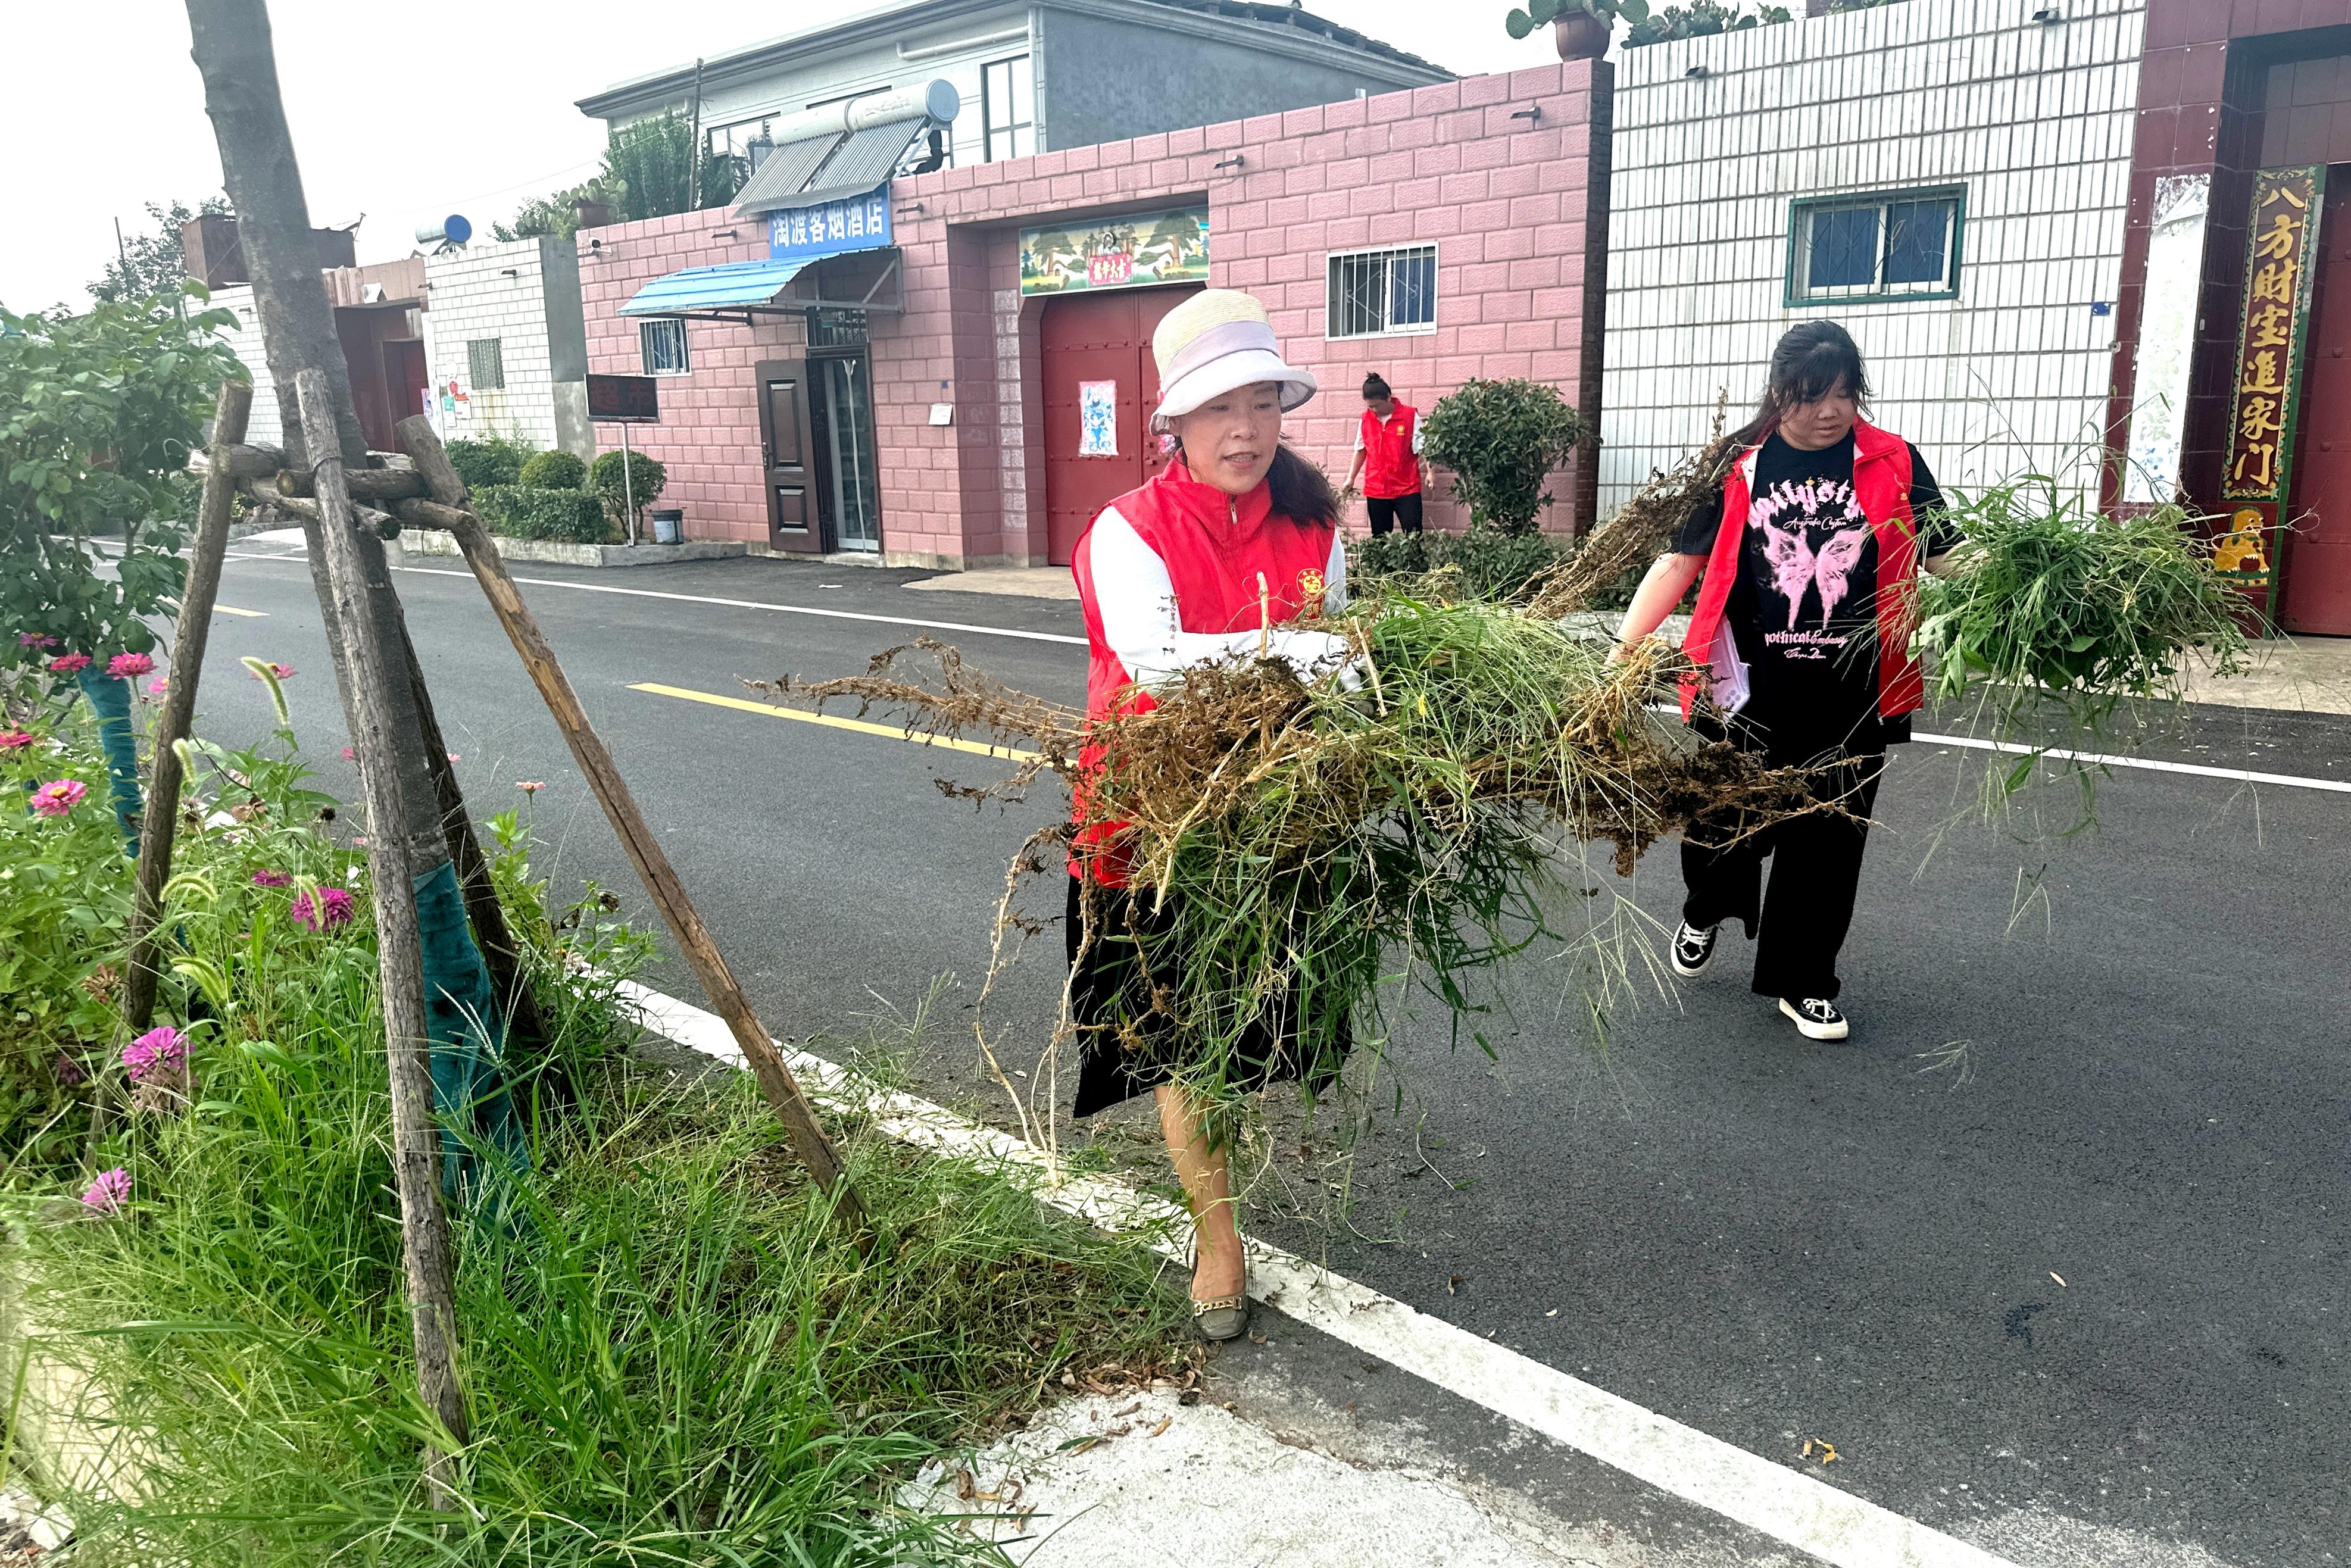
[833, 721]
[1787, 1505]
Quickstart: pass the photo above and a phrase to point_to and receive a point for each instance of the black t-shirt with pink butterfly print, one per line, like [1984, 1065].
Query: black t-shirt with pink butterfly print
[1804, 610]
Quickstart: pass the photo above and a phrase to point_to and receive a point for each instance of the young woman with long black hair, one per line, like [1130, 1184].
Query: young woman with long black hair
[1807, 572]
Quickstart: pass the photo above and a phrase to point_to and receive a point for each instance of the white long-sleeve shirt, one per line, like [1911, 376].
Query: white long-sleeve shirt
[1137, 601]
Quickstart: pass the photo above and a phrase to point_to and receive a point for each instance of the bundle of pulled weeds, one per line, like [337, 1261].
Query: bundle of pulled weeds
[1299, 844]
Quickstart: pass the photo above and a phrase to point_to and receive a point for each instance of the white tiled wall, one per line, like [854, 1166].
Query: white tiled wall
[263, 428]
[470, 295]
[2033, 118]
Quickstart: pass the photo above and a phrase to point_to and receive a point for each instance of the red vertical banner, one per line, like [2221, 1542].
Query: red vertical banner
[2280, 271]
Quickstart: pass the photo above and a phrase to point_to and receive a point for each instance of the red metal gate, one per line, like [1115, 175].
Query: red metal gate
[1097, 353]
[2316, 595]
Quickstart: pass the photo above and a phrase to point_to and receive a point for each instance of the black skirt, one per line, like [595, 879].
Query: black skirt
[1126, 1044]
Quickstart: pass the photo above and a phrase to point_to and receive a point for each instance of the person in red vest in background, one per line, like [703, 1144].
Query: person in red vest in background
[1810, 565]
[1388, 464]
[1231, 553]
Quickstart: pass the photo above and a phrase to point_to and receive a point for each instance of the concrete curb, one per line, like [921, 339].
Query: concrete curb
[559, 552]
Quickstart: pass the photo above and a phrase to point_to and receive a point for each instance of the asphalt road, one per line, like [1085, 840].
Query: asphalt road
[2061, 1238]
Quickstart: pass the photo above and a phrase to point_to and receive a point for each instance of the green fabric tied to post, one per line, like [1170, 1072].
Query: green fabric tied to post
[468, 1035]
[110, 702]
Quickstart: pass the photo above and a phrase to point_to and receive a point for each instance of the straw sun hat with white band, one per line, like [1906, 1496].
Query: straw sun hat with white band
[1215, 341]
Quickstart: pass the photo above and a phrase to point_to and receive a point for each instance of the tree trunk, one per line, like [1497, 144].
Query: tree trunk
[188, 635]
[416, 1156]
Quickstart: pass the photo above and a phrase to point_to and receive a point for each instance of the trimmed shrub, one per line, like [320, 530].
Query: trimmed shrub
[1492, 564]
[556, 470]
[646, 478]
[527, 512]
[1501, 439]
[495, 461]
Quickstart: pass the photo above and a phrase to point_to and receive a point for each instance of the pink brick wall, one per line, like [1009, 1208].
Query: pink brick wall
[1516, 208]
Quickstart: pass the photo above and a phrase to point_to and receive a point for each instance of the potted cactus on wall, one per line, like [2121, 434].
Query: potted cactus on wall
[1580, 27]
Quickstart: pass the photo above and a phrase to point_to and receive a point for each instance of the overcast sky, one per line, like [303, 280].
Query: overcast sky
[408, 112]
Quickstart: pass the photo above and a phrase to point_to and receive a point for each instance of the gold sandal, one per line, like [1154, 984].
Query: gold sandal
[1222, 1317]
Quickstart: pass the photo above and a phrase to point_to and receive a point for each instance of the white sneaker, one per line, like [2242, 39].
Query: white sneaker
[1815, 1017]
[1693, 949]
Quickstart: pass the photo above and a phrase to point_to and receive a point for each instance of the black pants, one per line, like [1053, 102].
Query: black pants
[1801, 922]
[1404, 510]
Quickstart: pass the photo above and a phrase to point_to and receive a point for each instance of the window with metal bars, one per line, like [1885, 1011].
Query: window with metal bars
[1881, 246]
[1380, 293]
[485, 364]
[661, 340]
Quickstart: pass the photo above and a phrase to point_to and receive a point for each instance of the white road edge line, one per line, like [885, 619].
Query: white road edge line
[1787, 1505]
[2149, 764]
[734, 603]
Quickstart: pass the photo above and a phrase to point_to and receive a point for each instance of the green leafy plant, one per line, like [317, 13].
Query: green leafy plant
[2044, 598]
[98, 414]
[1542, 12]
[650, 166]
[1699, 19]
[553, 470]
[528, 512]
[645, 481]
[493, 460]
[1502, 439]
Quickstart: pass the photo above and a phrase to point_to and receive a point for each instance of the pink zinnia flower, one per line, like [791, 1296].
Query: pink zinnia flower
[272, 879]
[350, 756]
[35, 640]
[158, 687]
[59, 796]
[16, 739]
[123, 666]
[108, 1192]
[332, 909]
[69, 664]
[282, 672]
[157, 1050]
[530, 786]
[455, 757]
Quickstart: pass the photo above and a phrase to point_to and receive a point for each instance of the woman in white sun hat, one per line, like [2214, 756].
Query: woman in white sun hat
[1232, 552]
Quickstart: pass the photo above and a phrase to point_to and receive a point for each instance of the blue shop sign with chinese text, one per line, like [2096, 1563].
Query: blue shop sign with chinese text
[828, 228]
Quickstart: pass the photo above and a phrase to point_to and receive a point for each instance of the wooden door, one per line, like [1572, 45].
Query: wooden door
[2314, 595]
[1097, 351]
[788, 457]
[404, 375]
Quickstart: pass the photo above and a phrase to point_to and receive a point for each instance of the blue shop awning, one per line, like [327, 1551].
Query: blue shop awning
[735, 286]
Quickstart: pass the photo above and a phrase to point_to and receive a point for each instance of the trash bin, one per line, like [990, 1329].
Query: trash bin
[669, 527]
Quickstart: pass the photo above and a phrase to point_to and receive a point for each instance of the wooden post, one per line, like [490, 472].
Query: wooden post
[416, 1137]
[188, 635]
[669, 896]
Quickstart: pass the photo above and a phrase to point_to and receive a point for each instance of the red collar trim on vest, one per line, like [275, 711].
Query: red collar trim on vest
[1230, 517]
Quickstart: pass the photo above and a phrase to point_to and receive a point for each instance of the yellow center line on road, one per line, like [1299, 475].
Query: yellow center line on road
[248, 614]
[831, 721]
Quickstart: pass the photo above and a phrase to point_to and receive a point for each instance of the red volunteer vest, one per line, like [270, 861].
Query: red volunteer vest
[1215, 547]
[1881, 484]
[1390, 469]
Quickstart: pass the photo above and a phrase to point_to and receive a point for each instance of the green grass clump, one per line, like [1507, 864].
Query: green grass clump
[2046, 597]
[669, 1354]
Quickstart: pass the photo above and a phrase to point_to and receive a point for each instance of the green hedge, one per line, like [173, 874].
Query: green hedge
[556, 470]
[496, 461]
[646, 475]
[1493, 564]
[527, 512]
